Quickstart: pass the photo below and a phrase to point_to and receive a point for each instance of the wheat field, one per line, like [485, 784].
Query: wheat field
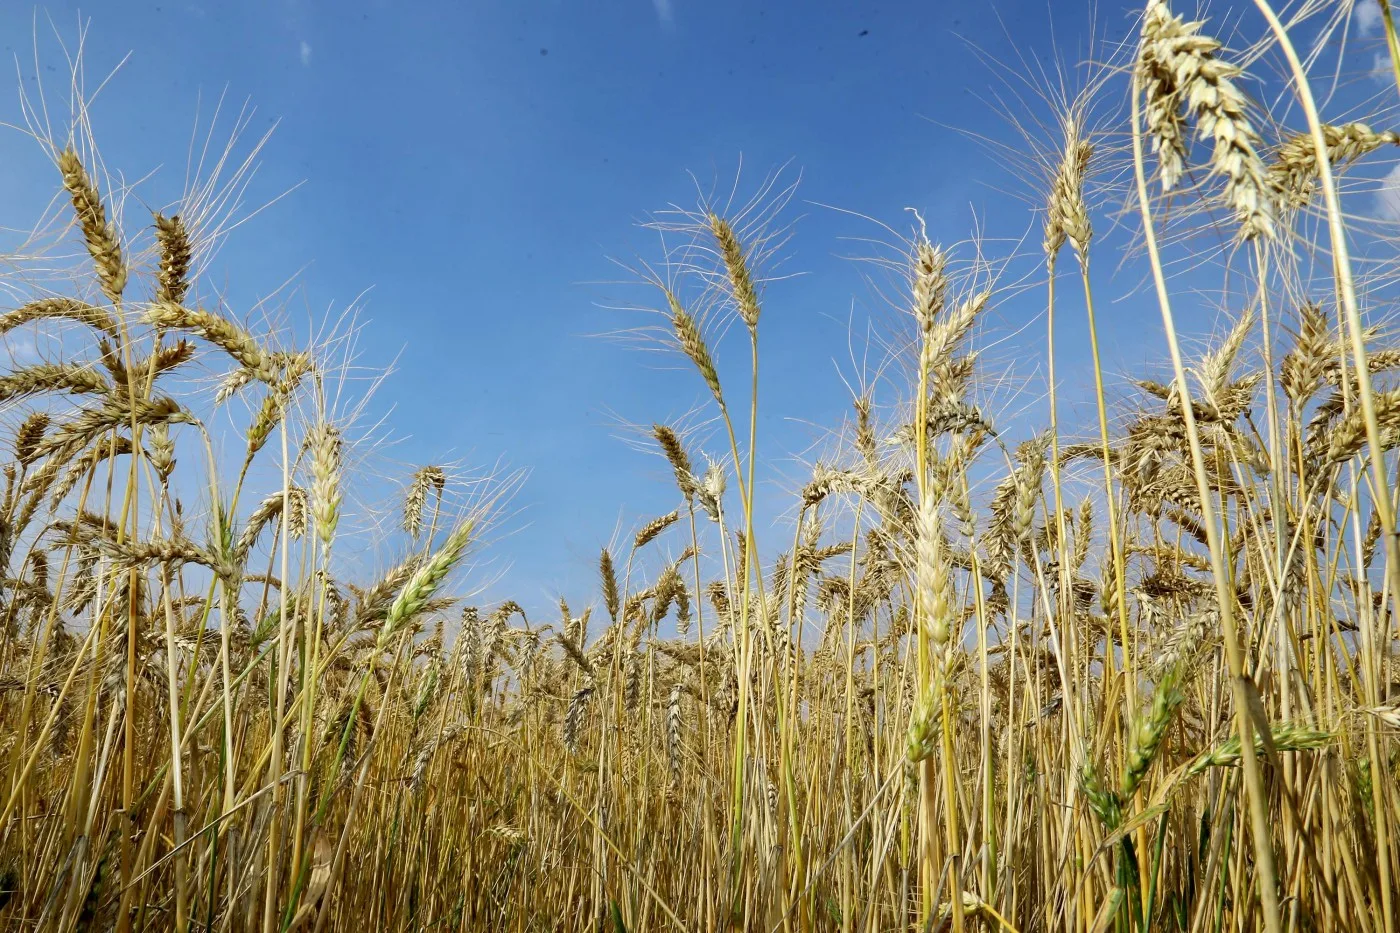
[990, 671]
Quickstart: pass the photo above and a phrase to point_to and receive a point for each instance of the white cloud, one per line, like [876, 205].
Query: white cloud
[305, 54]
[1381, 69]
[1388, 197]
[23, 350]
[1367, 16]
[665, 12]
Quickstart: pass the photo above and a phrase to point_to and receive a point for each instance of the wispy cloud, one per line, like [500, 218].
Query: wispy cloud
[1388, 197]
[22, 349]
[665, 12]
[1381, 69]
[305, 54]
[1367, 16]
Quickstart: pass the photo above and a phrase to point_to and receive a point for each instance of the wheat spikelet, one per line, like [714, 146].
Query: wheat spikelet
[865, 433]
[29, 434]
[671, 591]
[470, 639]
[1294, 171]
[924, 722]
[294, 503]
[168, 357]
[1028, 479]
[39, 570]
[71, 309]
[1083, 534]
[573, 649]
[134, 553]
[175, 257]
[609, 577]
[79, 468]
[1371, 538]
[324, 443]
[424, 583]
[426, 753]
[670, 443]
[73, 378]
[1302, 368]
[931, 580]
[510, 835]
[649, 532]
[428, 477]
[1066, 214]
[949, 369]
[218, 330]
[1160, 86]
[682, 596]
[298, 512]
[1286, 737]
[1187, 639]
[578, 628]
[710, 491]
[573, 717]
[633, 604]
[1176, 68]
[1148, 733]
[1349, 436]
[824, 482]
[427, 689]
[737, 270]
[495, 633]
[1217, 366]
[230, 385]
[162, 450]
[89, 422]
[929, 281]
[1389, 715]
[693, 345]
[973, 906]
[99, 233]
[268, 417]
[1104, 802]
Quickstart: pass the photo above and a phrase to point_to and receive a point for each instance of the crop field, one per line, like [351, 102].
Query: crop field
[997, 666]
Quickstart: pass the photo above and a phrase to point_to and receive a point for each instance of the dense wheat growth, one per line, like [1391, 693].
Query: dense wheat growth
[1137, 673]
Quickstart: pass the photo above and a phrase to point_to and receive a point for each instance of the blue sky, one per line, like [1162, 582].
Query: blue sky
[470, 169]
